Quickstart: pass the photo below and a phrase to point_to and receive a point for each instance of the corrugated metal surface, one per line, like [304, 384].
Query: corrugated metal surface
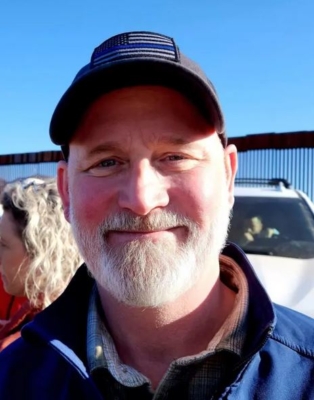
[294, 165]
[10, 172]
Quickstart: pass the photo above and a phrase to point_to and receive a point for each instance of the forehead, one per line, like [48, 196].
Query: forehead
[153, 109]
[255, 219]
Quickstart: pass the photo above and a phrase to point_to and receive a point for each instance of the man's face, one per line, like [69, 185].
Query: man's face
[256, 225]
[148, 190]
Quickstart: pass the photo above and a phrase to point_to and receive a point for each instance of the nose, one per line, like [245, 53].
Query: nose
[144, 190]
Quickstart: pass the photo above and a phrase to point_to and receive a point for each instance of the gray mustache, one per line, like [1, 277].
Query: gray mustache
[161, 221]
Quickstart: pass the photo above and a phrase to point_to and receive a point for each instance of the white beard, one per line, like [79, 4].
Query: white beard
[144, 273]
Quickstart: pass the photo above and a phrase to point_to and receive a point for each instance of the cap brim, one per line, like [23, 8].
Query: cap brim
[91, 84]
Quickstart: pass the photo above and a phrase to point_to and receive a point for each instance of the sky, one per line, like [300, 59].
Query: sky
[258, 54]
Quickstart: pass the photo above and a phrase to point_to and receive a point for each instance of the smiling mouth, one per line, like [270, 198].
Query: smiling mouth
[137, 234]
[143, 231]
[140, 231]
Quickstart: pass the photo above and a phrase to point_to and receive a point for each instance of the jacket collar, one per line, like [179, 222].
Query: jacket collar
[262, 318]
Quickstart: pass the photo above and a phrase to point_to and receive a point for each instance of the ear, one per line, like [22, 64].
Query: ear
[231, 164]
[63, 187]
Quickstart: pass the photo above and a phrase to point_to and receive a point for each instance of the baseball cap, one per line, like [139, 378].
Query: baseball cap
[134, 59]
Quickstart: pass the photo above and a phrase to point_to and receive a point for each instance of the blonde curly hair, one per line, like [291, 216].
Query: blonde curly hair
[37, 211]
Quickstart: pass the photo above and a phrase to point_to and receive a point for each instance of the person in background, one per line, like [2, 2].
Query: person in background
[9, 304]
[254, 228]
[38, 255]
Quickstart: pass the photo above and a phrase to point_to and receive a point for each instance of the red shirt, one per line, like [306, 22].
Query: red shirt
[9, 304]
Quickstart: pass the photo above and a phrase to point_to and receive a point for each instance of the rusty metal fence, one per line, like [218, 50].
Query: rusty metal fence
[13, 166]
[270, 155]
[286, 155]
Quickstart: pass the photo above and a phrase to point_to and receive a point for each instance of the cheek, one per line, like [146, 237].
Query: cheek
[11, 262]
[195, 195]
[91, 199]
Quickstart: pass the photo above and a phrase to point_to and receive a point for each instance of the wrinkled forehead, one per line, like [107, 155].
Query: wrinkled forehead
[156, 112]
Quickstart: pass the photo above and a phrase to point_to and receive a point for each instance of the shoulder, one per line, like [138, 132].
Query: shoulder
[10, 338]
[30, 370]
[15, 362]
[283, 368]
[294, 330]
[20, 352]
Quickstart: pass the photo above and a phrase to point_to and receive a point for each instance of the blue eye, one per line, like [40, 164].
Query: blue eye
[175, 157]
[106, 167]
[108, 163]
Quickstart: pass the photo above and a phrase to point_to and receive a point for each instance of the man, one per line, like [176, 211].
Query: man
[147, 184]
[254, 229]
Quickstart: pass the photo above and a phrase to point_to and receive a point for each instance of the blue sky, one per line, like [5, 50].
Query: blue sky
[258, 54]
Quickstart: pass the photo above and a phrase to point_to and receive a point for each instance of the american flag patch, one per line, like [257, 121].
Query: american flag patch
[134, 45]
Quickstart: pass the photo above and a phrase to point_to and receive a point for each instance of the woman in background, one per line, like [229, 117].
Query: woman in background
[9, 305]
[38, 255]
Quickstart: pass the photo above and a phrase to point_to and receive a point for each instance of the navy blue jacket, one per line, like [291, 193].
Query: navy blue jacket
[49, 361]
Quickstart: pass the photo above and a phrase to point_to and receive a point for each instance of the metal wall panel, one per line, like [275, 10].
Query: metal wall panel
[295, 165]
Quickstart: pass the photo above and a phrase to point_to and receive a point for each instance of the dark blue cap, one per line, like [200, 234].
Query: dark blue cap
[133, 59]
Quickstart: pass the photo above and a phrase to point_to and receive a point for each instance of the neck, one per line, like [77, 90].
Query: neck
[149, 339]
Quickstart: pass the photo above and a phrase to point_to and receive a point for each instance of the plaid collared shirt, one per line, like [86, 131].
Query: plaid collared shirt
[194, 377]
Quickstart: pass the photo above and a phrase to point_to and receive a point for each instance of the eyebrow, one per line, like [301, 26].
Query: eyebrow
[114, 146]
[103, 148]
[174, 141]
